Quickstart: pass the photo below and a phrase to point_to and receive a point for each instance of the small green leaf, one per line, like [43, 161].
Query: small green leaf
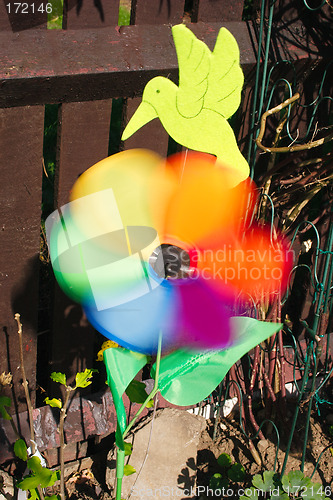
[35, 465]
[58, 377]
[20, 449]
[34, 495]
[28, 483]
[82, 379]
[267, 483]
[128, 448]
[236, 473]
[150, 403]
[55, 403]
[252, 493]
[295, 482]
[218, 482]
[129, 470]
[313, 491]
[41, 475]
[136, 392]
[4, 401]
[224, 460]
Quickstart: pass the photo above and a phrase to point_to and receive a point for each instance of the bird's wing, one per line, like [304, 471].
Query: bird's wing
[225, 79]
[194, 65]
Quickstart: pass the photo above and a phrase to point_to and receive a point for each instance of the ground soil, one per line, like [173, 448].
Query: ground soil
[89, 483]
[231, 439]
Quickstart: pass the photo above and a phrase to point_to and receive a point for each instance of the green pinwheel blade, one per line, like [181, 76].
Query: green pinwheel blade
[186, 377]
[121, 367]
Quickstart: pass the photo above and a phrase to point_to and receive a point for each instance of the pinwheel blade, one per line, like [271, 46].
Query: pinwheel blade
[187, 377]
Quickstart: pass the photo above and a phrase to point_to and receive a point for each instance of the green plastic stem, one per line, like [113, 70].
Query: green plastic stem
[121, 453]
[120, 471]
[153, 392]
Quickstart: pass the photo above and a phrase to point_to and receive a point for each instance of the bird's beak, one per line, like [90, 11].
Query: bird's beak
[144, 114]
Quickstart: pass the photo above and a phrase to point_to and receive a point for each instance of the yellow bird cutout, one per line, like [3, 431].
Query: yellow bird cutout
[195, 113]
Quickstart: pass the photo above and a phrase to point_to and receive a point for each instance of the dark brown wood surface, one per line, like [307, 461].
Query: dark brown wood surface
[83, 140]
[158, 11]
[58, 66]
[80, 14]
[21, 150]
[19, 16]
[219, 10]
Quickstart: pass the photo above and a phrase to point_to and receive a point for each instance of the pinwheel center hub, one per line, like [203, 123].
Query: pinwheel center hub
[170, 262]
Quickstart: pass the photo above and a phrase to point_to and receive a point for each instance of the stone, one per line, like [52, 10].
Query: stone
[170, 467]
[7, 483]
[263, 444]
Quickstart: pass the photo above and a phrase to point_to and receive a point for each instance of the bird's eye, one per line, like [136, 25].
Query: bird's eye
[158, 91]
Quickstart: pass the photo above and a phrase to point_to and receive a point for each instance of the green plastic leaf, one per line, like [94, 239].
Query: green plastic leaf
[236, 473]
[187, 377]
[58, 377]
[295, 482]
[4, 401]
[136, 392]
[121, 367]
[129, 470]
[128, 448]
[83, 379]
[195, 113]
[20, 449]
[55, 403]
[224, 460]
[265, 483]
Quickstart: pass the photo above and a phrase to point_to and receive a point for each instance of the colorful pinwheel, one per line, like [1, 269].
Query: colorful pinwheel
[157, 250]
[149, 246]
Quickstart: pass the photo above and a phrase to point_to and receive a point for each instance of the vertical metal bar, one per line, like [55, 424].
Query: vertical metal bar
[314, 328]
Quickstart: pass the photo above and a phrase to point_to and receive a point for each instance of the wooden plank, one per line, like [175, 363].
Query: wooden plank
[158, 12]
[152, 136]
[82, 145]
[27, 15]
[21, 150]
[83, 138]
[83, 141]
[78, 65]
[80, 14]
[219, 10]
